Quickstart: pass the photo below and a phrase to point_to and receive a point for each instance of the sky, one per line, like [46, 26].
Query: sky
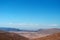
[30, 14]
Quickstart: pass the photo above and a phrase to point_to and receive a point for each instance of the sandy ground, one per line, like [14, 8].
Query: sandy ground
[31, 35]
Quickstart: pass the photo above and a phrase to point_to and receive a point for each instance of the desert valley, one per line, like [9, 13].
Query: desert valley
[44, 34]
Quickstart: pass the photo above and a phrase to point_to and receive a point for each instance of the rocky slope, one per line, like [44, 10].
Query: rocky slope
[49, 31]
[55, 36]
[11, 36]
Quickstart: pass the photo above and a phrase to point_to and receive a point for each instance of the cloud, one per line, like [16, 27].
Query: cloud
[28, 25]
[53, 25]
[18, 24]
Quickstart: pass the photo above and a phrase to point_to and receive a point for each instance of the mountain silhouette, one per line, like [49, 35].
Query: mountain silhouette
[9, 29]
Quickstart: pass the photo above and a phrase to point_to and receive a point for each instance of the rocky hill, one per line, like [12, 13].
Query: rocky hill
[11, 36]
[55, 36]
[49, 31]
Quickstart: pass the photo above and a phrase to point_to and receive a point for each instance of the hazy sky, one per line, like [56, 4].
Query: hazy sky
[30, 14]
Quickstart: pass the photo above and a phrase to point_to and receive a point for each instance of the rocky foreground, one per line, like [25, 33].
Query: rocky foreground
[11, 36]
[55, 36]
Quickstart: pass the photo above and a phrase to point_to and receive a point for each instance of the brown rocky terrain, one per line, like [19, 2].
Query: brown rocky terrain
[37, 34]
[55, 36]
[49, 31]
[50, 34]
[11, 36]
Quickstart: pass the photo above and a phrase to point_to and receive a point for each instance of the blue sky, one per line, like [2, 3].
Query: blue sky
[30, 14]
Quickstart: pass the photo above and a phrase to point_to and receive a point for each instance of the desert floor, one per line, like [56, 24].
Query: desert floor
[31, 35]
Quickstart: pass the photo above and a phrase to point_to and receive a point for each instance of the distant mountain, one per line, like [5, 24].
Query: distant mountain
[43, 31]
[15, 29]
[9, 29]
[48, 31]
[55, 36]
[11, 36]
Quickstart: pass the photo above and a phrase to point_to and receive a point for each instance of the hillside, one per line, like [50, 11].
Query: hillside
[49, 31]
[11, 36]
[55, 36]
